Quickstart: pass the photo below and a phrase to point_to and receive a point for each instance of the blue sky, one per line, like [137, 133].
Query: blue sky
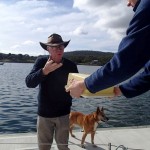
[89, 24]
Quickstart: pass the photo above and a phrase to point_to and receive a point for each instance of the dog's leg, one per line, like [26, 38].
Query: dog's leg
[92, 138]
[83, 139]
[71, 128]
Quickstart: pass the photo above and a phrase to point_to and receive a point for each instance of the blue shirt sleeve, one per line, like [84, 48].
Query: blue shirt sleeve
[133, 53]
[138, 85]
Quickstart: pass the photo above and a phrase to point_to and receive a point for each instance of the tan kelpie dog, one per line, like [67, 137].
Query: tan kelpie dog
[88, 122]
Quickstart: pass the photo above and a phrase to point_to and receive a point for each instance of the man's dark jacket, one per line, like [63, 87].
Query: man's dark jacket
[53, 100]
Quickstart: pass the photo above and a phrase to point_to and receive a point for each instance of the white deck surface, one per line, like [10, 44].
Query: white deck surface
[133, 138]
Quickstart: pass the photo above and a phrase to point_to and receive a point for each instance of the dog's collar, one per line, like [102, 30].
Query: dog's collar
[96, 120]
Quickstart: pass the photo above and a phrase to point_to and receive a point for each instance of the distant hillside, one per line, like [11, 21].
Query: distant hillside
[89, 57]
[17, 58]
[80, 57]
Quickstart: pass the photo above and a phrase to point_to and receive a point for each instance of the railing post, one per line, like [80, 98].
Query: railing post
[109, 146]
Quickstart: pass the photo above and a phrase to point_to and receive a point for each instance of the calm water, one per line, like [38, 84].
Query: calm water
[18, 104]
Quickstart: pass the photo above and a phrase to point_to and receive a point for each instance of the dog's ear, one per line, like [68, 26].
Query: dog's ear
[102, 109]
[98, 110]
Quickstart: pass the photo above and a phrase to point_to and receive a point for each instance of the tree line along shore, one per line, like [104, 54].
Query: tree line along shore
[83, 57]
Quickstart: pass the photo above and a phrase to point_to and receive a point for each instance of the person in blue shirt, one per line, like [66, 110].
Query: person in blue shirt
[133, 55]
[50, 73]
[136, 86]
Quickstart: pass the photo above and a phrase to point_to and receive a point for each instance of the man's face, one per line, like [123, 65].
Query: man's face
[56, 52]
[131, 3]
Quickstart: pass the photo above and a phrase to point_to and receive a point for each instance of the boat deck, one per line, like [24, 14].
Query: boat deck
[132, 138]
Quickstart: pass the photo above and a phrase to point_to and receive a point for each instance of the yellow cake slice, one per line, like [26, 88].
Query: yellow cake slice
[103, 93]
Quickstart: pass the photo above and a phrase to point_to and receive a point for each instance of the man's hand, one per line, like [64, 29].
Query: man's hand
[117, 91]
[50, 66]
[76, 88]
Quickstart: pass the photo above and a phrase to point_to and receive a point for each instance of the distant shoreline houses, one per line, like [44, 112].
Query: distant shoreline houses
[94, 62]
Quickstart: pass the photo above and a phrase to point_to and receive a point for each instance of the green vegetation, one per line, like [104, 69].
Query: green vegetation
[19, 58]
[89, 57]
[80, 57]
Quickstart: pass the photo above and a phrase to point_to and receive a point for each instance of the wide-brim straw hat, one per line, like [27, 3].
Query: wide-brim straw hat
[54, 40]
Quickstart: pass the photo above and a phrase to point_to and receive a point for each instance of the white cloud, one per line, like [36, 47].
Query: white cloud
[113, 17]
[91, 25]
[28, 42]
[15, 46]
[80, 31]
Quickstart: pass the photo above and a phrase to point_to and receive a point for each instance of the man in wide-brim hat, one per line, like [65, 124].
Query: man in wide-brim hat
[54, 103]
[55, 46]
[54, 40]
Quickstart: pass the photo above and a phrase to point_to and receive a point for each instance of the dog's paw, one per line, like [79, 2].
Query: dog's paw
[83, 146]
[73, 135]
